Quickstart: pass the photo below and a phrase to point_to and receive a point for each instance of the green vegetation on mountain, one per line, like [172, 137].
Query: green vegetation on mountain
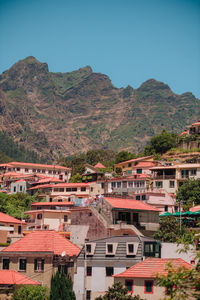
[161, 143]
[10, 150]
[65, 113]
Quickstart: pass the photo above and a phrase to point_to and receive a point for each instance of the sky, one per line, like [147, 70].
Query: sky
[131, 41]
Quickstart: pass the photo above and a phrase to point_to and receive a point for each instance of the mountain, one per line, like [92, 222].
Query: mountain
[64, 113]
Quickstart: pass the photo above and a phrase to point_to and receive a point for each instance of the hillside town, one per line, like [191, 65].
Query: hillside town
[100, 231]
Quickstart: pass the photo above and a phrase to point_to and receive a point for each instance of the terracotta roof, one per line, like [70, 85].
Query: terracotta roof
[16, 163]
[195, 208]
[195, 124]
[130, 204]
[184, 132]
[8, 219]
[20, 180]
[178, 166]
[135, 159]
[99, 166]
[41, 186]
[145, 164]
[78, 184]
[49, 179]
[52, 203]
[12, 277]
[44, 241]
[149, 267]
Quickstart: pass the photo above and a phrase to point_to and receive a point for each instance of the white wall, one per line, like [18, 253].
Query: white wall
[170, 250]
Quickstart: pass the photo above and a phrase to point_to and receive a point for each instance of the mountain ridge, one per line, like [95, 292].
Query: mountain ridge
[63, 113]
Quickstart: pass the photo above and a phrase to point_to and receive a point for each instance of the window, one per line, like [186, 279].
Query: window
[91, 189]
[14, 189]
[113, 185]
[74, 189]
[152, 249]
[137, 197]
[110, 248]
[143, 197]
[54, 172]
[18, 169]
[193, 172]
[63, 268]
[61, 190]
[88, 295]
[129, 285]
[39, 216]
[130, 184]
[22, 264]
[83, 189]
[26, 170]
[19, 229]
[159, 184]
[148, 286]
[20, 188]
[109, 271]
[65, 218]
[66, 173]
[171, 184]
[50, 172]
[39, 265]
[38, 171]
[130, 165]
[88, 248]
[43, 171]
[5, 263]
[119, 184]
[139, 171]
[131, 249]
[102, 185]
[68, 189]
[89, 271]
[34, 170]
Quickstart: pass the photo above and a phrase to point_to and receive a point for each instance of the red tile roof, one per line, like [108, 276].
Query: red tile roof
[49, 179]
[15, 163]
[52, 203]
[41, 186]
[150, 267]
[12, 277]
[99, 166]
[8, 219]
[195, 124]
[195, 208]
[135, 159]
[44, 241]
[184, 132]
[145, 164]
[130, 204]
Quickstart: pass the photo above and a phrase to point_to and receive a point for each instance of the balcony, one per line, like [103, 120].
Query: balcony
[173, 176]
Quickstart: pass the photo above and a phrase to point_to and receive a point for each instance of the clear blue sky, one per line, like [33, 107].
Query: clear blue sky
[129, 40]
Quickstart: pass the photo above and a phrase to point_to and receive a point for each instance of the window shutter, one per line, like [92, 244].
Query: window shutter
[35, 264]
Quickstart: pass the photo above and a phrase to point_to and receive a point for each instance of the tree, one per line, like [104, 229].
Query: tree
[161, 143]
[27, 292]
[118, 292]
[189, 193]
[61, 287]
[169, 230]
[15, 205]
[123, 156]
[76, 178]
[181, 283]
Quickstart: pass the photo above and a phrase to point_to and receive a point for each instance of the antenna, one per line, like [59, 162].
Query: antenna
[63, 253]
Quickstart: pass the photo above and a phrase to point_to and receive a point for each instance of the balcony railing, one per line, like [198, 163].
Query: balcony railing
[164, 177]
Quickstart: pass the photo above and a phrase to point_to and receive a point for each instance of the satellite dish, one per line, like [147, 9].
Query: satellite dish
[63, 253]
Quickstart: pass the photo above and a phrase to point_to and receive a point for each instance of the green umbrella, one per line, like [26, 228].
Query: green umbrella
[165, 214]
[196, 213]
[187, 213]
[177, 214]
